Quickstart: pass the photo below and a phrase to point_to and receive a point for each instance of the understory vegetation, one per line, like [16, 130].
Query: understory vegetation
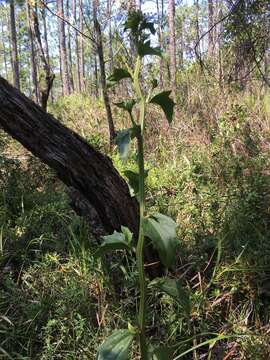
[209, 171]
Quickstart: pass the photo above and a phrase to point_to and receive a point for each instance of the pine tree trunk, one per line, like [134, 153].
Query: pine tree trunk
[15, 58]
[97, 190]
[99, 45]
[171, 11]
[47, 78]
[32, 53]
[70, 63]
[46, 45]
[81, 47]
[210, 25]
[63, 49]
[160, 40]
[77, 63]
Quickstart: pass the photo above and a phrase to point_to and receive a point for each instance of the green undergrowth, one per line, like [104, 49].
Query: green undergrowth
[58, 302]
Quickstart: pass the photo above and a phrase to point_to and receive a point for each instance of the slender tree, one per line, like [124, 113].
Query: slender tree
[171, 12]
[81, 47]
[77, 53]
[99, 47]
[14, 53]
[70, 62]
[63, 49]
[210, 30]
[32, 53]
[47, 76]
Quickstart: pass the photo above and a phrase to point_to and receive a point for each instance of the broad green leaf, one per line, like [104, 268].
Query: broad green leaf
[116, 241]
[122, 141]
[134, 19]
[126, 105]
[144, 48]
[174, 289]
[117, 75]
[165, 102]
[137, 22]
[116, 346]
[161, 229]
[160, 353]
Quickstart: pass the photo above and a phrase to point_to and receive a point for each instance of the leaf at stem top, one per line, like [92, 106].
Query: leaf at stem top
[161, 229]
[144, 48]
[116, 241]
[165, 102]
[174, 289]
[116, 346]
[126, 105]
[117, 75]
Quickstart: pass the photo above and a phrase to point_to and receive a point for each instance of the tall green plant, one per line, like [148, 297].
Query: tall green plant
[159, 228]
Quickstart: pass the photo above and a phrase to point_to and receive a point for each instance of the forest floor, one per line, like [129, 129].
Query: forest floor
[210, 172]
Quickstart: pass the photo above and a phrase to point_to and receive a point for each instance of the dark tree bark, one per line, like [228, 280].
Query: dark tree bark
[97, 189]
[99, 46]
[63, 48]
[171, 12]
[32, 53]
[15, 58]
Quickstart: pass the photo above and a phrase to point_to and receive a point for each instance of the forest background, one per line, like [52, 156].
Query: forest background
[209, 170]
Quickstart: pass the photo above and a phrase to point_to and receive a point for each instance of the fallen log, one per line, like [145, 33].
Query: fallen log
[96, 189]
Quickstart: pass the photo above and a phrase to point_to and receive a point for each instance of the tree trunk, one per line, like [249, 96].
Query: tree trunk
[77, 62]
[210, 25]
[4, 52]
[32, 53]
[99, 46]
[63, 49]
[160, 40]
[109, 13]
[97, 190]
[171, 11]
[15, 59]
[46, 45]
[81, 47]
[69, 51]
[46, 80]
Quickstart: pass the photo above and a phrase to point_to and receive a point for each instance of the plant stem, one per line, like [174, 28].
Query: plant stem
[140, 244]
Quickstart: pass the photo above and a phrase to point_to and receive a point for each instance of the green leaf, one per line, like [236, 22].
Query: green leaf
[116, 241]
[122, 140]
[165, 102]
[144, 49]
[134, 19]
[161, 229]
[116, 346]
[117, 75]
[174, 289]
[160, 353]
[126, 105]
